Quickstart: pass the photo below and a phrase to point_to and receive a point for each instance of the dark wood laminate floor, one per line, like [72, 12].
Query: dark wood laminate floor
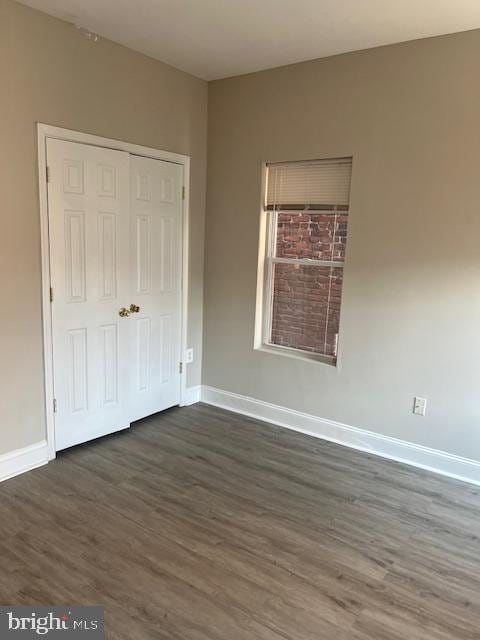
[200, 524]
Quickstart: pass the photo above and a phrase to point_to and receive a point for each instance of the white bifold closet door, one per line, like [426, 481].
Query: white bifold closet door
[156, 266]
[115, 224]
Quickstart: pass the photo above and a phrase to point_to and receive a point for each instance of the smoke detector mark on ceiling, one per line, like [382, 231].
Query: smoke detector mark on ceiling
[87, 34]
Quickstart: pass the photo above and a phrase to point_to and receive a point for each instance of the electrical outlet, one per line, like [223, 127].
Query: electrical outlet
[419, 406]
[189, 356]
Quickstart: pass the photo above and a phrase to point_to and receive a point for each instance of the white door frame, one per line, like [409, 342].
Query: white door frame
[45, 131]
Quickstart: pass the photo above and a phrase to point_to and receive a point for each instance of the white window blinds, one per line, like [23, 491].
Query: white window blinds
[316, 185]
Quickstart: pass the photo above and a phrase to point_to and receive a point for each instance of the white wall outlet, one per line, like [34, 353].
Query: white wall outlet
[419, 406]
[189, 356]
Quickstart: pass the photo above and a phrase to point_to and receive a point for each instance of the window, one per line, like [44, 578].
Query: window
[307, 211]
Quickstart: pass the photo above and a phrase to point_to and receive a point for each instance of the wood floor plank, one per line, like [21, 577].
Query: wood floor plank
[200, 524]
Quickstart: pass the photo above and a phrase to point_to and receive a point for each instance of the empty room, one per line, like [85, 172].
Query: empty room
[240, 277]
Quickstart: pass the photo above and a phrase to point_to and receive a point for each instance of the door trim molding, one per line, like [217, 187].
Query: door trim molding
[45, 131]
[192, 395]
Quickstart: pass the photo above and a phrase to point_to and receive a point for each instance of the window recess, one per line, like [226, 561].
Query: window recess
[307, 206]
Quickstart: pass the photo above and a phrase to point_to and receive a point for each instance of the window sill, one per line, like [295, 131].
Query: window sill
[296, 354]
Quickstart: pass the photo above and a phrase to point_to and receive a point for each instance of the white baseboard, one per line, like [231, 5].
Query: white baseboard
[15, 462]
[441, 462]
[191, 396]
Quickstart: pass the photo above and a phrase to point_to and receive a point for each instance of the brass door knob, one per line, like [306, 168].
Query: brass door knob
[134, 308]
[123, 313]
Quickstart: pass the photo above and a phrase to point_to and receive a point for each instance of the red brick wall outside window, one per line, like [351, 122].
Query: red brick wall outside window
[306, 297]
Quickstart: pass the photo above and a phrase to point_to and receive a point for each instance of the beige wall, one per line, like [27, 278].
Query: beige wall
[50, 73]
[410, 116]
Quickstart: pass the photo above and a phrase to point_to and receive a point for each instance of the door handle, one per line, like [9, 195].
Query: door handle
[124, 312]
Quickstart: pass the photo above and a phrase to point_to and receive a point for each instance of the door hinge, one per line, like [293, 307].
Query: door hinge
[48, 174]
[51, 294]
[54, 405]
[180, 367]
[183, 193]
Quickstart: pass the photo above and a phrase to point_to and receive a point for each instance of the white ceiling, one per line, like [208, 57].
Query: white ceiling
[219, 38]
